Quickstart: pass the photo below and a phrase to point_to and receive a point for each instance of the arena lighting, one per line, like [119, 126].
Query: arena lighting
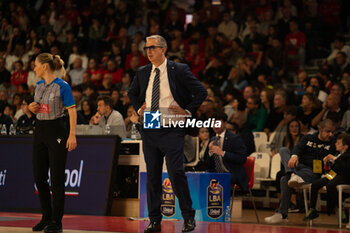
[216, 2]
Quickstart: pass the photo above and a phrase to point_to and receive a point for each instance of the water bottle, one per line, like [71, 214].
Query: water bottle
[134, 132]
[228, 214]
[3, 130]
[107, 129]
[12, 130]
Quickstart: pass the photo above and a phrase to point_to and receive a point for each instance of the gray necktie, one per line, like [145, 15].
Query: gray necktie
[219, 165]
[155, 92]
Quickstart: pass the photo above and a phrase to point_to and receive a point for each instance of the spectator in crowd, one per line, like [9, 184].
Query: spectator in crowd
[4, 119]
[77, 96]
[204, 138]
[5, 75]
[228, 27]
[44, 27]
[76, 74]
[337, 174]
[276, 115]
[278, 141]
[290, 140]
[26, 122]
[310, 149]
[339, 89]
[125, 83]
[19, 76]
[340, 66]
[227, 153]
[266, 98]
[76, 52]
[309, 108]
[257, 114]
[330, 107]
[244, 130]
[339, 46]
[107, 84]
[106, 115]
[115, 72]
[95, 72]
[346, 93]
[16, 102]
[295, 43]
[86, 112]
[32, 78]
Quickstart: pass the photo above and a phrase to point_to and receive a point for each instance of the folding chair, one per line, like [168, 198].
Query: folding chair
[346, 189]
[249, 168]
[260, 141]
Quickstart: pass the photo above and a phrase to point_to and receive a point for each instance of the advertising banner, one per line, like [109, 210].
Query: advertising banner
[210, 193]
[87, 182]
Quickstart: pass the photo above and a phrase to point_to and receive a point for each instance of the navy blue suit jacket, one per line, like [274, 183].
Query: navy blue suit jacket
[186, 89]
[234, 159]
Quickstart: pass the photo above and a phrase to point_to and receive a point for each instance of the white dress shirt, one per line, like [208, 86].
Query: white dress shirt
[165, 96]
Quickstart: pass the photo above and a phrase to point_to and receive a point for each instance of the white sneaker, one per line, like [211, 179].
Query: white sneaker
[276, 218]
[295, 181]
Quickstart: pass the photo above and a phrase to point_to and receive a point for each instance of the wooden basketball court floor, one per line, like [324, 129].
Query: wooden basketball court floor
[22, 223]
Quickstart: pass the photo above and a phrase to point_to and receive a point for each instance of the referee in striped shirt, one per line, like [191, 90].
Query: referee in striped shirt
[52, 138]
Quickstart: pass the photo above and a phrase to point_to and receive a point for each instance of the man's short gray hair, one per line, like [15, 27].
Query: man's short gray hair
[161, 41]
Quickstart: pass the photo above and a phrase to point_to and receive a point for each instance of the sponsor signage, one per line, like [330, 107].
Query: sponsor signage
[87, 175]
[210, 193]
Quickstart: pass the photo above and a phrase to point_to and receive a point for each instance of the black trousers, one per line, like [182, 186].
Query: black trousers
[332, 195]
[156, 145]
[49, 152]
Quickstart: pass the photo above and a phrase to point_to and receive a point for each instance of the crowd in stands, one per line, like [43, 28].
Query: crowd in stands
[274, 66]
[252, 56]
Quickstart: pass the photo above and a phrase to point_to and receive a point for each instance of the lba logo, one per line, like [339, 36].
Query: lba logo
[151, 120]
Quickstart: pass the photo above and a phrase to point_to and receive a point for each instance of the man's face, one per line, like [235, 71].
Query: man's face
[219, 130]
[278, 101]
[102, 108]
[251, 104]
[326, 133]
[248, 91]
[155, 54]
[110, 65]
[332, 100]
[77, 63]
[77, 96]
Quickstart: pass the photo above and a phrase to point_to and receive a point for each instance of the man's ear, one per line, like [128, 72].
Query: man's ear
[346, 147]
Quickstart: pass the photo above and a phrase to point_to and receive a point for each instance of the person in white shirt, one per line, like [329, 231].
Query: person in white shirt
[339, 46]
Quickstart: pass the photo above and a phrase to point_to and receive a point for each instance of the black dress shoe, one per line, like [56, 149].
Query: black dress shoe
[41, 225]
[53, 227]
[153, 227]
[189, 225]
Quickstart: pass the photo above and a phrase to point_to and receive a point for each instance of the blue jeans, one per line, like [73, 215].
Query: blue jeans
[301, 170]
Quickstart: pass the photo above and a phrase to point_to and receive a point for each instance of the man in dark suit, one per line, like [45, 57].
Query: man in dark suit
[160, 85]
[227, 153]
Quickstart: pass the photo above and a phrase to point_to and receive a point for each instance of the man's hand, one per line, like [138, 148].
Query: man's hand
[95, 119]
[134, 117]
[34, 107]
[142, 109]
[293, 162]
[215, 149]
[177, 110]
[328, 158]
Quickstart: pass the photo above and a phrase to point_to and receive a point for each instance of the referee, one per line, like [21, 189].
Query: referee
[52, 138]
